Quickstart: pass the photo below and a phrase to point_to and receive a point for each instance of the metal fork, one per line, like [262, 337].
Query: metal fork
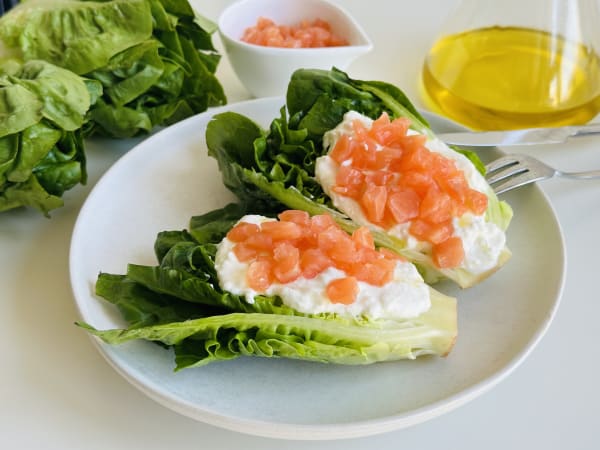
[512, 171]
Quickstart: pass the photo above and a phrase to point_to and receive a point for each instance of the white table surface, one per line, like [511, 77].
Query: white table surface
[57, 392]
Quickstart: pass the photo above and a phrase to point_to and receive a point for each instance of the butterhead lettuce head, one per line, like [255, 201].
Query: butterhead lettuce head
[154, 58]
[42, 110]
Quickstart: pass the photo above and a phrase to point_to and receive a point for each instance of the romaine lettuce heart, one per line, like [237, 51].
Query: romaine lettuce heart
[179, 304]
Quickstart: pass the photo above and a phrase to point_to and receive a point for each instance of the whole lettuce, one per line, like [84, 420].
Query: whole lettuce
[154, 58]
[42, 110]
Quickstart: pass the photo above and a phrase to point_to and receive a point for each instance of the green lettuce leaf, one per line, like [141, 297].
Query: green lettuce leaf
[38, 90]
[317, 101]
[76, 35]
[142, 307]
[332, 339]
[19, 107]
[274, 169]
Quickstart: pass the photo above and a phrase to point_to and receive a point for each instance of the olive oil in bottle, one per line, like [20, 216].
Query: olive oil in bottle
[503, 77]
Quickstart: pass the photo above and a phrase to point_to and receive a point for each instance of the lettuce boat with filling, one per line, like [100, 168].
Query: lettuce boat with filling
[277, 168]
[180, 304]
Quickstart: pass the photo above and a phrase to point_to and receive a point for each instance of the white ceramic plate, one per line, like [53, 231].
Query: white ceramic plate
[168, 178]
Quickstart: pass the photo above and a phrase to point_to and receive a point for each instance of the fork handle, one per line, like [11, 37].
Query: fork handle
[587, 130]
[586, 175]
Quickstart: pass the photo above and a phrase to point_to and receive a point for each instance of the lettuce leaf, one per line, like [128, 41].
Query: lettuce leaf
[337, 340]
[78, 36]
[275, 168]
[179, 304]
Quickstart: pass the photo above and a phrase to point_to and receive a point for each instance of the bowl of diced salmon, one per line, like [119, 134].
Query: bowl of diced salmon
[267, 40]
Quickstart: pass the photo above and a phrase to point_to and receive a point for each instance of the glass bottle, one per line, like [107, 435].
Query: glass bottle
[516, 64]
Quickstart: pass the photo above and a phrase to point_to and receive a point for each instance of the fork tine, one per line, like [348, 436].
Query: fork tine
[508, 172]
[516, 181]
[504, 167]
[504, 161]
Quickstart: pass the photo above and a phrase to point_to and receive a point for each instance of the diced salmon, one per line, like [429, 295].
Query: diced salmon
[416, 143]
[342, 149]
[244, 253]
[387, 156]
[362, 237]
[396, 179]
[418, 181]
[389, 133]
[373, 202]
[296, 216]
[306, 34]
[476, 201]
[361, 133]
[313, 261]
[299, 246]
[337, 245]
[439, 232]
[321, 222]
[449, 253]
[436, 206]
[350, 179]
[442, 166]
[414, 157]
[364, 155]
[342, 290]
[258, 276]
[259, 241]
[455, 185]
[404, 205]
[286, 262]
[377, 177]
[241, 231]
[366, 255]
[376, 273]
[428, 232]
[280, 230]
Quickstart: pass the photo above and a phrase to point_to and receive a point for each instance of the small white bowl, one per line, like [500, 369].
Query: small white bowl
[266, 71]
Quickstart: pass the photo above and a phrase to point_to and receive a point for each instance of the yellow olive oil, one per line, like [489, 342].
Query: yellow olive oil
[509, 77]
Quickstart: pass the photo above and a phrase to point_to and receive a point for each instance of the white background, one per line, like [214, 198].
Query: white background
[57, 392]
